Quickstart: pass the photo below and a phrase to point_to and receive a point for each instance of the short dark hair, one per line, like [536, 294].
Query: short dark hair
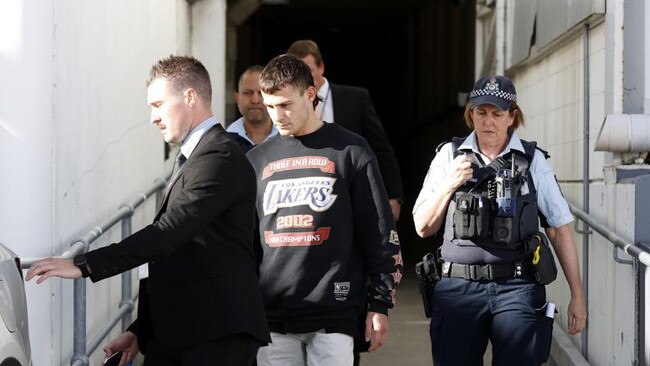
[253, 68]
[286, 70]
[304, 48]
[183, 72]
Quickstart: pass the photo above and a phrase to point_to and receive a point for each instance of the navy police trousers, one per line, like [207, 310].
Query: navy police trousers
[508, 312]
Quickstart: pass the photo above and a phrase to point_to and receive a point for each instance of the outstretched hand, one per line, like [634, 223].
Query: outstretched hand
[57, 267]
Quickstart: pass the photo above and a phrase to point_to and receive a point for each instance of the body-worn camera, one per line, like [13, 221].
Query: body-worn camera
[506, 218]
[428, 273]
[506, 192]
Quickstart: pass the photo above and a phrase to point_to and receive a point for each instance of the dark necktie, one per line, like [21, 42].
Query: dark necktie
[178, 164]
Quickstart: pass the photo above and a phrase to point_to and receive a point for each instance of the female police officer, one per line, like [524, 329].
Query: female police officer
[487, 189]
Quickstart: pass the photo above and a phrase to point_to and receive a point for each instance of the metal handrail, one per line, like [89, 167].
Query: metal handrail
[76, 247]
[80, 245]
[81, 351]
[122, 311]
[637, 252]
[630, 248]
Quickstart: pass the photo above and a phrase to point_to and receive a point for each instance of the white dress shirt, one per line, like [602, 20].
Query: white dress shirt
[238, 128]
[324, 109]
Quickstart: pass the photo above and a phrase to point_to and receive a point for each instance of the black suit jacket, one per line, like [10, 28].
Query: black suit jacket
[202, 276]
[354, 110]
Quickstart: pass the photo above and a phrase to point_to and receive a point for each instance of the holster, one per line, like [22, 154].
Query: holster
[543, 266]
[428, 273]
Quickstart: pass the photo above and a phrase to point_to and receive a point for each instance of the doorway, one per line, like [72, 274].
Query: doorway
[414, 56]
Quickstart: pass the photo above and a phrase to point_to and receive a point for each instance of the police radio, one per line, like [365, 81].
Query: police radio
[506, 203]
[506, 187]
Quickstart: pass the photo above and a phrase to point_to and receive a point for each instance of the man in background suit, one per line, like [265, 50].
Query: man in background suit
[201, 304]
[352, 108]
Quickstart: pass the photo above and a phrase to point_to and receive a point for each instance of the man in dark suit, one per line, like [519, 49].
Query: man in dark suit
[201, 304]
[352, 108]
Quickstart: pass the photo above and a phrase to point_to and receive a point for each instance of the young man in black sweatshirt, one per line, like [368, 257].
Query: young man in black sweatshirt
[325, 229]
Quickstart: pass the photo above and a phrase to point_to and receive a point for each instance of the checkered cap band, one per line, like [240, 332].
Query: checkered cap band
[497, 93]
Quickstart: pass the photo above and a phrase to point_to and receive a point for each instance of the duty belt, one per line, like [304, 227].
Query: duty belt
[483, 272]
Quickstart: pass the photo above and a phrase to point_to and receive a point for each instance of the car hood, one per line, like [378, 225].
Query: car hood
[13, 304]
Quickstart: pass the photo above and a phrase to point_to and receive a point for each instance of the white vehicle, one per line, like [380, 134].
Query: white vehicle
[14, 333]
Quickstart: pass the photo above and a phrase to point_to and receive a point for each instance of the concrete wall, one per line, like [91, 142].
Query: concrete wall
[550, 93]
[75, 141]
[208, 44]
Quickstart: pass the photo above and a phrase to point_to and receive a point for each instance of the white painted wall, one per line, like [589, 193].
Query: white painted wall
[550, 93]
[75, 142]
[209, 45]
[26, 109]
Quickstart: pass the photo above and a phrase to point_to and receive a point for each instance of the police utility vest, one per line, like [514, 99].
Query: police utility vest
[495, 211]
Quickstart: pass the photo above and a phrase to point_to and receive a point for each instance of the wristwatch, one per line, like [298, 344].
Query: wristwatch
[80, 261]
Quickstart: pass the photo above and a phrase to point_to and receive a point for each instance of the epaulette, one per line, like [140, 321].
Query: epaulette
[441, 145]
[455, 143]
[544, 152]
[530, 146]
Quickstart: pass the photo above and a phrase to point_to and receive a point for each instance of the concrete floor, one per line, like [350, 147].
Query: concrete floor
[408, 342]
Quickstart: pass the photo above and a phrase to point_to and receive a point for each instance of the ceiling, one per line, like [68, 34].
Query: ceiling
[340, 8]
